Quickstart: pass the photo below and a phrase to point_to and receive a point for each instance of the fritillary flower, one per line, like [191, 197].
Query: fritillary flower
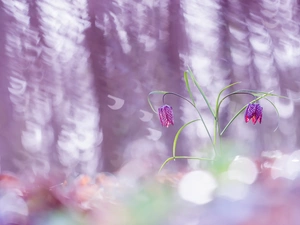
[166, 115]
[253, 112]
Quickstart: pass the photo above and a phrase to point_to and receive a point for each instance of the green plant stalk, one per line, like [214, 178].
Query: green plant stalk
[219, 104]
[186, 80]
[216, 131]
[149, 101]
[249, 92]
[201, 118]
[220, 93]
[276, 113]
[166, 93]
[177, 135]
[216, 119]
[178, 95]
[182, 157]
[258, 93]
[239, 112]
[201, 91]
[211, 140]
[180, 130]
[194, 104]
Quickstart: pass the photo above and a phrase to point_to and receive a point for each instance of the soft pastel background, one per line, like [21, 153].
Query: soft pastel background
[74, 81]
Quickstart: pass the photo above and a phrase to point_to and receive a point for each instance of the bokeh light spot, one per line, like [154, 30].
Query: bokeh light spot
[242, 169]
[197, 187]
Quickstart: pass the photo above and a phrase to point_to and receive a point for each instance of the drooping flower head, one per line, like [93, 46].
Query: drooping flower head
[166, 115]
[253, 112]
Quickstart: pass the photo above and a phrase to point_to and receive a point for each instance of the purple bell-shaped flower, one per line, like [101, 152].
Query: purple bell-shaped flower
[253, 112]
[166, 115]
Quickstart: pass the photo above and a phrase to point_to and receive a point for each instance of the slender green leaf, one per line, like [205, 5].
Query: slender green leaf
[259, 93]
[256, 94]
[182, 157]
[235, 93]
[180, 96]
[207, 131]
[201, 91]
[165, 162]
[224, 89]
[281, 96]
[277, 112]
[216, 127]
[193, 157]
[154, 92]
[178, 133]
[240, 111]
[186, 80]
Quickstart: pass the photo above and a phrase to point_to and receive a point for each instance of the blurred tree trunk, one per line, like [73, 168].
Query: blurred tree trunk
[75, 76]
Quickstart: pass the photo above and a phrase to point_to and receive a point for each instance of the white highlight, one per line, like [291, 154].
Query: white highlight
[154, 134]
[149, 42]
[287, 166]
[242, 169]
[232, 189]
[18, 86]
[147, 116]
[118, 103]
[197, 187]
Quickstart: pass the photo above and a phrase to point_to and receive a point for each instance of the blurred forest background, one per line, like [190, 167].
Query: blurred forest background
[75, 76]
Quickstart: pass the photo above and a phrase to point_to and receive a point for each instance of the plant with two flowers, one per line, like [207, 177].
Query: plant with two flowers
[253, 111]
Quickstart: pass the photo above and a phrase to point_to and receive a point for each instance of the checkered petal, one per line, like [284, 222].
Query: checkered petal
[166, 115]
[253, 112]
[250, 112]
[258, 113]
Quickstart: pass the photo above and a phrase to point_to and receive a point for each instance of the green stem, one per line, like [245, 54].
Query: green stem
[240, 111]
[178, 133]
[201, 91]
[219, 95]
[186, 80]
[211, 140]
[276, 113]
[149, 101]
[235, 93]
[201, 118]
[182, 157]
[216, 118]
[217, 128]
[178, 95]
